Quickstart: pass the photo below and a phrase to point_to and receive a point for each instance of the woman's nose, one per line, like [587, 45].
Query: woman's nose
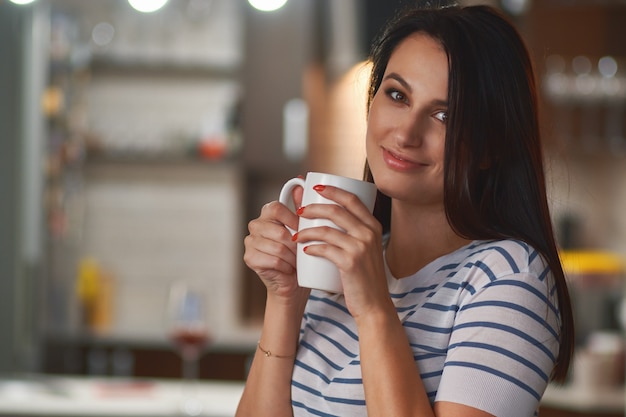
[409, 131]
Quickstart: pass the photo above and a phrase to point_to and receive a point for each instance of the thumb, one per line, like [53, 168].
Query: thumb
[297, 196]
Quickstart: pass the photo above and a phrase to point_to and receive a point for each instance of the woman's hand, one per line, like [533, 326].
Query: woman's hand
[356, 251]
[271, 253]
[270, 250]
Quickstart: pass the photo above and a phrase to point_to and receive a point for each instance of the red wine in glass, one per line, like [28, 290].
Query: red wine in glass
[188, 329]
[190, 341]
[187, 324]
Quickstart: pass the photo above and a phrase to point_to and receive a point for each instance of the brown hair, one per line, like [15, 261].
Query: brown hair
[494, 181]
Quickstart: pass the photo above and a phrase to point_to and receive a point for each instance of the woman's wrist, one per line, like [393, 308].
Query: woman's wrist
[295, 302]
[281, 325]
[377, 318]
[271, 353]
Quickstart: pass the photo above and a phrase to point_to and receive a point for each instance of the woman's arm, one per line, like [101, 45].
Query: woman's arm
[268, 388]
[391, 379]
[270, 252]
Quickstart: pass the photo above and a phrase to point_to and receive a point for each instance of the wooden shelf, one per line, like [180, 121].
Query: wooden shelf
[163, 67]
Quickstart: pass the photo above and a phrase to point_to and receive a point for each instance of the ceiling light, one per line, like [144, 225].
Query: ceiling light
[22, 1]
[267, 5]
[147, 6]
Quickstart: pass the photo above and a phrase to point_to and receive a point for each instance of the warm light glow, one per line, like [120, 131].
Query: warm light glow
[343, 149]
[22, 1]
[147, 6]
[267, 5]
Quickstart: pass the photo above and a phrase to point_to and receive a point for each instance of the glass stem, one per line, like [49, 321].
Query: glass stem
[191, 405]
[190, 368]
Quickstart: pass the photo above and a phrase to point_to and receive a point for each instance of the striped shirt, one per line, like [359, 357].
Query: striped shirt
[482, 323]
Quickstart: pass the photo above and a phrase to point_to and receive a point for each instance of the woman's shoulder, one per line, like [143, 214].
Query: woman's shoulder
[512, 250]
[500, 258]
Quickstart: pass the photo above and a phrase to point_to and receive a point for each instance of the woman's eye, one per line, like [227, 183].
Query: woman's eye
[396, 95]
[442, 116]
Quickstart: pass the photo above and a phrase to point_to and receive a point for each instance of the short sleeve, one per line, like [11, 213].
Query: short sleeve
[503, 347]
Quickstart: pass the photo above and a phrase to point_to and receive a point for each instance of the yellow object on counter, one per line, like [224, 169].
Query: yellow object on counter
[95, 290]
[593, 267]
[102, 308]
[591, 263]
[87, 281]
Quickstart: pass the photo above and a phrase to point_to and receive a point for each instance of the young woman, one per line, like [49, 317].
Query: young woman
[454, 302]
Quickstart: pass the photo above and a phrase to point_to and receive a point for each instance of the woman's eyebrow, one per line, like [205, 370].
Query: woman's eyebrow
[398, 78]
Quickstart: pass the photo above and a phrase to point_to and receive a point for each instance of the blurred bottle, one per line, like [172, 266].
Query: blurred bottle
[95, 291]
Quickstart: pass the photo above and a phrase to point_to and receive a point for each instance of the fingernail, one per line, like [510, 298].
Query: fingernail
[319, 187]
[304, 249]
[300, 211]
[294, 237]
[301, 177]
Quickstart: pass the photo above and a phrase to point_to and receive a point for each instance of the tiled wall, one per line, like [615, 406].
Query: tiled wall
[149, 226]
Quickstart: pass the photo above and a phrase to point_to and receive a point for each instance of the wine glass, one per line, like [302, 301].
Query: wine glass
[188, 329]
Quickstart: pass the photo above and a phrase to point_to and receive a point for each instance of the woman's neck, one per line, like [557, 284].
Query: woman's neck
[417, 237]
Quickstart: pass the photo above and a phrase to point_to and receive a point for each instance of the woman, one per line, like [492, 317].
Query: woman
[454, 302]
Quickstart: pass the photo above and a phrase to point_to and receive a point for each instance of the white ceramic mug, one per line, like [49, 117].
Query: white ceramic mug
[314, 271]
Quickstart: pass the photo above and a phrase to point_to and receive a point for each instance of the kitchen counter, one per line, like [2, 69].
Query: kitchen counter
[112, 397]
[56, 396]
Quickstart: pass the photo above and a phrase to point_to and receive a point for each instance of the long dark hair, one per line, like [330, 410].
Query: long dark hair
[494, 181]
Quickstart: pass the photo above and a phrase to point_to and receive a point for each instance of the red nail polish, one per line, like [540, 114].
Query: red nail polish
[294, 237]
[300, 211]
[319, 187]
[301, 177]
[304, 249]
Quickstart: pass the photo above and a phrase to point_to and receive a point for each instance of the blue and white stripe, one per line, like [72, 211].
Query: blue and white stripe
[482, 322]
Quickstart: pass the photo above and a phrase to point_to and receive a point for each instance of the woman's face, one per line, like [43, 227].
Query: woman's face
[407, 123]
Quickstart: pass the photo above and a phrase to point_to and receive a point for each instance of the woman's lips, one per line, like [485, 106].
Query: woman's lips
[399, 162]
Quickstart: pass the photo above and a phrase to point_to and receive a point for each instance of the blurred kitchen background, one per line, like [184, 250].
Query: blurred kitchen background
[135, 146]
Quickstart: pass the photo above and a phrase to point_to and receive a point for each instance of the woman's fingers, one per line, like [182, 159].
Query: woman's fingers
[337, 246]
[271, 232]
[263, 255]
[279, 214]
[269, 248]
[355, 240]
[363, 227]
[297, 196]
[349, 212]
[359, 234]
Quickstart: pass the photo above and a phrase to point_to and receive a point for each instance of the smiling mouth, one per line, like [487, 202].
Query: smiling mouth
[398, 162]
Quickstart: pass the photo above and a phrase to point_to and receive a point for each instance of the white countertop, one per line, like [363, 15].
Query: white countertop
[114, 397]
[83, 396]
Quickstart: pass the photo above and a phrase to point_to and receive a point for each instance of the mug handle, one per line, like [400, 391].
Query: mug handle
[285, 193]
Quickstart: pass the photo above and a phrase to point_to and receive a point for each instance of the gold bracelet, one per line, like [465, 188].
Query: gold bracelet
[268, 353]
